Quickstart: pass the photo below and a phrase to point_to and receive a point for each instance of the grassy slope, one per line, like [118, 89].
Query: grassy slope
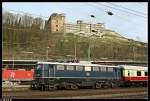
[111, 45]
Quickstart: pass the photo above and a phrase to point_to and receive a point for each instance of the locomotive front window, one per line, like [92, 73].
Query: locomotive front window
[39, 67]
[38, 71]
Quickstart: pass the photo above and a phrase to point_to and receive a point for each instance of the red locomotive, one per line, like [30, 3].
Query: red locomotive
[20, 76]
[18, 71]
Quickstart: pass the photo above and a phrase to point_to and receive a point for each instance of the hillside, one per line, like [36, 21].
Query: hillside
[32, 44]
[23, 38]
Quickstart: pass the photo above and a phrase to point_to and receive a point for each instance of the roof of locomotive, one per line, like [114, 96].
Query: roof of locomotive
[79, 64]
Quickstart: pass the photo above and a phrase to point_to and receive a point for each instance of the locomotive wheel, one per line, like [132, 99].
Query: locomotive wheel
[53, 88]
[67, 87]
[98, 85]
[73, 86]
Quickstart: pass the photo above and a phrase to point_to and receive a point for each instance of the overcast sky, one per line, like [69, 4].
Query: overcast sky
[129, 19]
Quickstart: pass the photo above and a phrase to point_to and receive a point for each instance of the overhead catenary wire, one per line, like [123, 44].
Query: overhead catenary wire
[121, 10]
[127, 8]
[103, 10]
[108, 12]
[115, 14]
[98, 8]
[123, 18]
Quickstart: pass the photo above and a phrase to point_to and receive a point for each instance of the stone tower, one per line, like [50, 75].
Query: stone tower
[56, 23]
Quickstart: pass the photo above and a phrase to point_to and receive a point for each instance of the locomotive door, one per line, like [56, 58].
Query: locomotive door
[45, 71]
[116, 73]
[51, 70]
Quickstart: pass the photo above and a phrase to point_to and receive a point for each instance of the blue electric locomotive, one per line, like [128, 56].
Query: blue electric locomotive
[54, 75]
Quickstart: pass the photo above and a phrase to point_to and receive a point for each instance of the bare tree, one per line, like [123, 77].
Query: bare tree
[37, 23]
[27, 20]
[8, 18]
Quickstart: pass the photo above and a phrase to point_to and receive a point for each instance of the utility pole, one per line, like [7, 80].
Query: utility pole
[75, 50]
[47, 52]
[133, 50]
[47, 48]
[13, 49]
[89, 48]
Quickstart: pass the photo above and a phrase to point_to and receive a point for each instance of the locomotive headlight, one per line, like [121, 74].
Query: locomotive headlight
[87, 74]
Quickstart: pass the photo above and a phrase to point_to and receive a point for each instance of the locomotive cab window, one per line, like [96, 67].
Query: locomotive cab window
[138, 73]
[60, 67]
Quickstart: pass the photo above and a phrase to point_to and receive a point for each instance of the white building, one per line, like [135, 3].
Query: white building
[86, 28]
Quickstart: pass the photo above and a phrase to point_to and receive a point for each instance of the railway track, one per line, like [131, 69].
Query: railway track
[80, 94]
[107, 96]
